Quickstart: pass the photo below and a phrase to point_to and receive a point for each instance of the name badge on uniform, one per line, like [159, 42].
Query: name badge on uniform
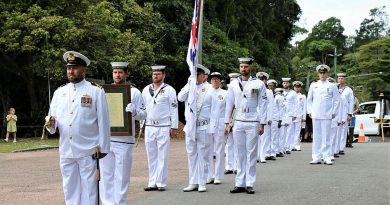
[86, 101]
[254, 91]
[220, 97]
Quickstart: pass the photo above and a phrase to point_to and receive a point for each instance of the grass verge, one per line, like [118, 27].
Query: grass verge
[25, 143]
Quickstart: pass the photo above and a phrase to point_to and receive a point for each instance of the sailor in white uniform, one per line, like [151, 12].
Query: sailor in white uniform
[277, 126]
[216, 130]
[230, 150]
[276, 121]
[290, 101]
[322, 101]
[248, 96]
[161, 123]
[116, 166]
[347, 101]
[265, 138]
[198, 146]
[79, 109]
[301, 115]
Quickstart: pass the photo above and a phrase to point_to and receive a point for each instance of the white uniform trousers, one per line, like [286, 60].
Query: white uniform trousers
[115, 171]
[216, 169]
[282, 139]
[231, 156]
[321, 147]
[297, 134]
[157, 141]
[343, 136]
[334, 140]
[274, 140]
[245, 137]
[79, 180]
[198, 157]
[264, 143]
[290, 132]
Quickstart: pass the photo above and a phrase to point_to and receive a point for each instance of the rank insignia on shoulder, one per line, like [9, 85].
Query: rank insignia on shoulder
[174, 104]
[97, 85]
[86, 101]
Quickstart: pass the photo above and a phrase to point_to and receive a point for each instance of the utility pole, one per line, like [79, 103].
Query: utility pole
[335, 61]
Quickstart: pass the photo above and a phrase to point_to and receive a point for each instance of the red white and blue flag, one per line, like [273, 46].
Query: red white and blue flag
[190, 111]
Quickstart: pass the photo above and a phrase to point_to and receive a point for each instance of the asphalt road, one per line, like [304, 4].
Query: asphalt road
[362, 176]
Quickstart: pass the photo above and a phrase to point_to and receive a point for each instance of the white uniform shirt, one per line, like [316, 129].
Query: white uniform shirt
[162, 106]
[278, 108]
[270, 104]
[250, 102]
[82, 118]
[290, 101]
[301, 104]
[347, 101]
[322, 100]
[139, 114]
[218, 105]
[203, 108]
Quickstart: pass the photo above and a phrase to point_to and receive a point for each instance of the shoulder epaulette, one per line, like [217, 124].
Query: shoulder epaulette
[97, 85]
[61, 86]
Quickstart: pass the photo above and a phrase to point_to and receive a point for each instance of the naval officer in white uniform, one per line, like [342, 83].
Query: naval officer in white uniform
[322, 101]
[79, 110]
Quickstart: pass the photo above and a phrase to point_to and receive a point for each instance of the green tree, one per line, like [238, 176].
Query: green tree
[373, 27]
[373, 57]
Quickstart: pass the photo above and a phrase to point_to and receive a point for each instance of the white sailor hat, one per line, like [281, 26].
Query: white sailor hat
[158, 67]
[246, 60]
[262, 74]
[270, 81]
[286, 79]
[75, 58]
[322, 67]
[278, 90]
[341, 75]
[119, 65]
[233, 75]
[297, 83]
[216, 74]
[203, 69]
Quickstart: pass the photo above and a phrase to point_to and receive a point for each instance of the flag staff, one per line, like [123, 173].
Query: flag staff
[200, 33]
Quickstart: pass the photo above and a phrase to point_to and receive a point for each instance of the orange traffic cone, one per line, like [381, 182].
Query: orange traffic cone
[362, 137]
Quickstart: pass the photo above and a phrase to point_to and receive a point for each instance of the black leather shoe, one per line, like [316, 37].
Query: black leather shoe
[237, 190]
[151, 189]
[235, 171]
[228, 172]
[294, 149]
[288, 152]
[268, 158]
[161, 188]
[336, 155]
[250, 190]
[341, 153]
[272, 158]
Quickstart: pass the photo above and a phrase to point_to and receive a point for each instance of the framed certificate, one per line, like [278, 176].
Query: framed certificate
[118, 96]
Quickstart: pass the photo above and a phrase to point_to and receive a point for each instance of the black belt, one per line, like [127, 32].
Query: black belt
[122, 142]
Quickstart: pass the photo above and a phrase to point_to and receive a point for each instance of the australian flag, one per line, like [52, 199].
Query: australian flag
[190, 111]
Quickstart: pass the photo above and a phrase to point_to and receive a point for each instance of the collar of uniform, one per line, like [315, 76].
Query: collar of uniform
[79, 84]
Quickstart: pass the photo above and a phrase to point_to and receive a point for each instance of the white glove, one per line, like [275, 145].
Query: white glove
[130, 108]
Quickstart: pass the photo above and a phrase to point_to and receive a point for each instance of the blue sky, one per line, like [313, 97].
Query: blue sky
[350, 12]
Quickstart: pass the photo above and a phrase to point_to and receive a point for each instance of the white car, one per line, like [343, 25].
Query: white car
[368, 112]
